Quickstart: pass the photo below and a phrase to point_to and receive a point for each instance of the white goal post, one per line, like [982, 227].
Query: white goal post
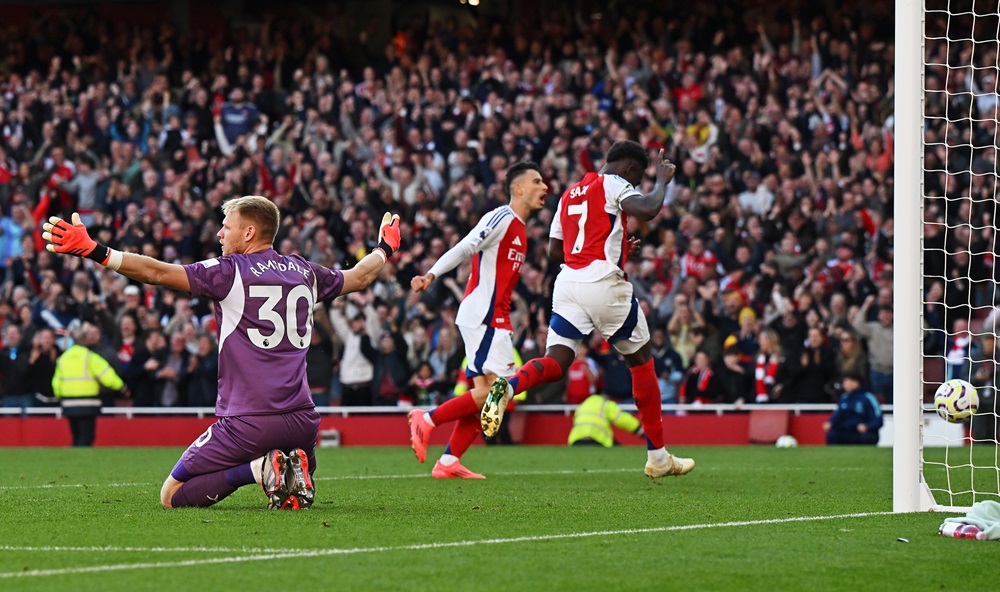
[909, 491]
[946, 122]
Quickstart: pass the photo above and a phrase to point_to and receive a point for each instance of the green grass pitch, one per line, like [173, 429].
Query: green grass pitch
[747, 518]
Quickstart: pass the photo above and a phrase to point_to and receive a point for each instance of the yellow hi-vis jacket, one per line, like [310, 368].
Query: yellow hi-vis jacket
[594, 417]
[80, 373]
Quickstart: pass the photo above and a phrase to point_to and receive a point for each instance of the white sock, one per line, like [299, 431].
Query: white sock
[658, 456]
[427, 418]
[257, 468]
[448, 459]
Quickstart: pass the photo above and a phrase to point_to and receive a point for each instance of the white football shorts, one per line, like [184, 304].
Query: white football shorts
[488, 351]
[607, 305]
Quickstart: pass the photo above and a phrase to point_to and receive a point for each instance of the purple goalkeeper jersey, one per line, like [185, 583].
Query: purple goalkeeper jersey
[264, 314]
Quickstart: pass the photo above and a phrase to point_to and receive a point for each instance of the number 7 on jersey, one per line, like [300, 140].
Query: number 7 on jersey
[581, 210]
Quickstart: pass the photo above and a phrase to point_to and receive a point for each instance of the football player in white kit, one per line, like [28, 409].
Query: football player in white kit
[498, 246]
[591, 292]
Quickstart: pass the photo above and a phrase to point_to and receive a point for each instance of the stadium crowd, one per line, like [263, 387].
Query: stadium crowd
[766, 277]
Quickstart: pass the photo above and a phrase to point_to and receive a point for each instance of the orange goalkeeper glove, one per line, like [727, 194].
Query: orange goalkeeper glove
[388, 235]
[72, 239]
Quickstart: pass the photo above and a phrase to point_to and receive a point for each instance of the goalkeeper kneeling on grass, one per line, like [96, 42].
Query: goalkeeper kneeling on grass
[858, 416]
[593, 419]
[267, 425]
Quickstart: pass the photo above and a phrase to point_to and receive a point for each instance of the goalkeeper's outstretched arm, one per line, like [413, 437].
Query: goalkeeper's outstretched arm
[72, 239]
[364, 273]
[153, 271]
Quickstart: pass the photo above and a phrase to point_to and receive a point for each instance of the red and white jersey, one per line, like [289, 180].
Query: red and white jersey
[590, 222]
[497, 245]
[697, 265]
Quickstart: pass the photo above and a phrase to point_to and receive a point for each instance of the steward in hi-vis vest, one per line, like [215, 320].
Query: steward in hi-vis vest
[80, 374]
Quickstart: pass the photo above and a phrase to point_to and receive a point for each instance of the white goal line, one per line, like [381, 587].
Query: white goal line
[411, 476]
[302, 553]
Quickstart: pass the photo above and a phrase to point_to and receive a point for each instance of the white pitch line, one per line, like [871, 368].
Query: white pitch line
[114, 549]
[333, 478]
[421, 547]
[497, 474]
[399, 476]
[72, 485]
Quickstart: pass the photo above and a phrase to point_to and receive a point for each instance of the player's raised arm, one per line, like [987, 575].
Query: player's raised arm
[646, 207]
[72, 239]
[477, 240]
[364, 273]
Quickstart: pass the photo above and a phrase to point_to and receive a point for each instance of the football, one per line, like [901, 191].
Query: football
[787, 441]
[956, 400]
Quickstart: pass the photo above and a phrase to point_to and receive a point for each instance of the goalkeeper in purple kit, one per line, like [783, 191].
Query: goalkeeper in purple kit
[267, 425]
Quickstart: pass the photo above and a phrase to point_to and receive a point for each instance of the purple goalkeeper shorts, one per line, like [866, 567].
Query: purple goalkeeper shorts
[232, 441]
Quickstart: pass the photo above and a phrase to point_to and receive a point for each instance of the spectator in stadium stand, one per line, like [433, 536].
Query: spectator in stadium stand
[668, 365]
[850, 354]
[791, 116]
[446, 358]
[684, 319]
[790, 329]
[700, 384]
[934, 320]
[143, 367]
[772, 369]
[813, 374]
[125, 343]
[238, 117]
[83, 185]
[960, 350]
[14, 226]
[319, 365]
[42, 364]
[878, 337]
[14, 367]
[359, 334]
[735, 381]
[203, 389]
[391, 373]
[858, 416]
[748, 337]
[174, 373]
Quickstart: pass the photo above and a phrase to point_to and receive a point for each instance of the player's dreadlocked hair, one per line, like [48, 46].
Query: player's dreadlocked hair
[628, 150]
[519, 169]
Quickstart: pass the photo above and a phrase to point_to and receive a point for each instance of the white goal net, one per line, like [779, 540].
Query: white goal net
[961, 300]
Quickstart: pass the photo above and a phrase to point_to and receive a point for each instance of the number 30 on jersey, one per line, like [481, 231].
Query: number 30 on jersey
[283, 328]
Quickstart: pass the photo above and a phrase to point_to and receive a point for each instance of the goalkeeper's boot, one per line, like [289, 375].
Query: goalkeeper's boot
[300, 484]
[420, 432]
[273, 479]
[496, 403]
[454, 471]
[673, 465]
